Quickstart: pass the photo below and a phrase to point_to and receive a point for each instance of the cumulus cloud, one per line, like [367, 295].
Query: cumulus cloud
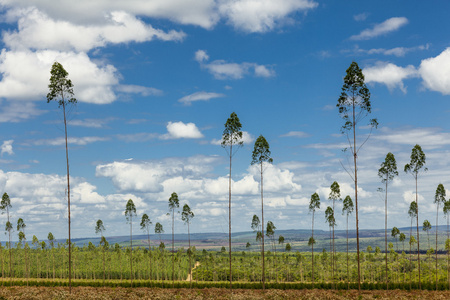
[261, 15]
[7, 147]
[435, 72]
[119, 27]
[387, 26]
[430, 138]
[92, 83]
[199, 96]
[222, 69]
[180, 130]
[389, 74]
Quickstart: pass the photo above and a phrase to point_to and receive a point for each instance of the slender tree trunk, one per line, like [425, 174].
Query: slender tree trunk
[173, 249]
[262, 230]
[190, 264]
[131, 249]
[68, 197]
[448, 255]
[312, 251]
[149, 255]
[229, 214]
[385, 232]
[356, 195]
[437, 222]
[348, 273]
[418, 243]
[333, 256]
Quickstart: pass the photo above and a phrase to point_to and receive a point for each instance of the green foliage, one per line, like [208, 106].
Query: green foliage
[60, 87]
[261, 152]
[347, 206]
[314, 203]
[232, 134]
[130, 210]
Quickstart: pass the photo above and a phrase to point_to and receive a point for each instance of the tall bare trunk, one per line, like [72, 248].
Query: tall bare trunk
[229, 214]
[262, 230]
[418, 243]
[68, 197]
[385, 231]
[356, 195]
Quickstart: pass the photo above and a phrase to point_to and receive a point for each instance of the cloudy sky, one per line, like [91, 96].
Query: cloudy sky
[156, 81]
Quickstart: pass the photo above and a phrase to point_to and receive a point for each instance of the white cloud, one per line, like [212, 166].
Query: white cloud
[298, 134]
[180, 130]
[389, 74]
[137, 89]
[360, 17]
[18, 111]
[435, 72]
[195, 12]
[261, 15]
[387, 26]
[199, 96]
[397, 51]
[201, 56]
[222, 69]
[81, 141]
[7, 147]
[92, 84]
[429, 138]
[119, 27]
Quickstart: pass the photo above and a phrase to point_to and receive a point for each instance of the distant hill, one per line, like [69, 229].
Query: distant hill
[298, 238]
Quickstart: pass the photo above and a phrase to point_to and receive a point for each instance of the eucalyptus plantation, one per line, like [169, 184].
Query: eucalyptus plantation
[387, 172]
[418, 160]
[354, 105]
[61, 90]
[232, 136]
[446, 210]
[261, 155]
[412, 212]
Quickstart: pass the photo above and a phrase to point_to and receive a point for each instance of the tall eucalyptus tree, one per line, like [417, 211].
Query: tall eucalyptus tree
[354, 104]
[232, 136]
[418, 160]
[439, 197]
[387, 172]
[335, 194]
[51, 242]
[446, 210]
[5, 206]
[412, 212]
[99, 228]
[314, 204]
[173, 204]
[347, 209]
[145, 225]
[187, 215]
[61, 90]
[21, 229]
[329, 218]
[261, 155]
[130, 211]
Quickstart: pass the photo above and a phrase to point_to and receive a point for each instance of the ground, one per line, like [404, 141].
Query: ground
[212, 293]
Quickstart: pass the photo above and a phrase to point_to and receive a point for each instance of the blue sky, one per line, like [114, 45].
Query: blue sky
[155, 83]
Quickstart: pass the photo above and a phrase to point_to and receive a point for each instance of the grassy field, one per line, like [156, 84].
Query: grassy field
[211, 293]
